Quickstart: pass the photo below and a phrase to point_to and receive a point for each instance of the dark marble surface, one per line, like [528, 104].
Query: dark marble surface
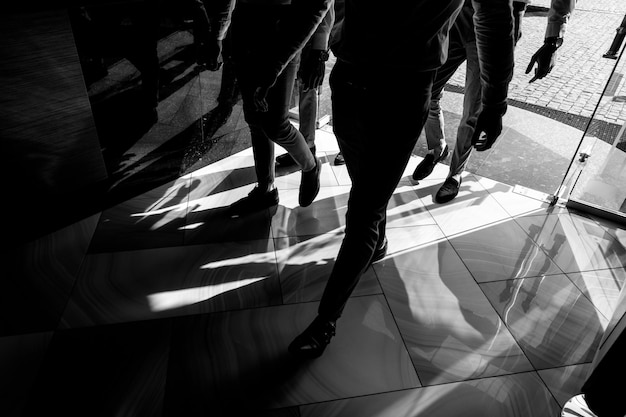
[104, 371]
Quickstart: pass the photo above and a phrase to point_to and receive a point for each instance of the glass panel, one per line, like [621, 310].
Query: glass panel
[598, 175]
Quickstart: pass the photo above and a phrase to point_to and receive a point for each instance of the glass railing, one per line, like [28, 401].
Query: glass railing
[596, 179]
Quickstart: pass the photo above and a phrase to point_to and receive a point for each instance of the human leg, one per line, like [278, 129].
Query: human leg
[307, 109]
[471, 108]
[271, 126]
[434, 127]
[364, 145]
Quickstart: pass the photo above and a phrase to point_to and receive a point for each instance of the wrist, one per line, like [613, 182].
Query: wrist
[320, 54]
[553, 42]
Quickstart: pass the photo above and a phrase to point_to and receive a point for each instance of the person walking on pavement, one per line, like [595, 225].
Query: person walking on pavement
[375, 79]
[310, 76]
[267, 36]
[462, 48]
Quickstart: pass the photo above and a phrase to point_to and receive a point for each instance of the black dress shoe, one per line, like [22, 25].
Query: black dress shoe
[380, 252]
[255, 201]
[310, 184]
[313, 341]
[427, 165]
[339, 160]
[448, 190]
[286, 160]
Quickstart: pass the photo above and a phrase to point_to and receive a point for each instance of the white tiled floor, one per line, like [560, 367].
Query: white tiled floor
[490, 305]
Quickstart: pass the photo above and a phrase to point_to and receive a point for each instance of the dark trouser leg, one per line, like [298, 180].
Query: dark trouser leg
[308, 114]
[434, 128]
[252, 27]
[471, 109]
[376, 155]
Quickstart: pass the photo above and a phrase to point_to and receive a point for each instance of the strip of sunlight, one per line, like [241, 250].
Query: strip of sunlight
[192, 226]
[316, 250]
[175, 208]
[408, 250]
[485, 226]
[253, 258]
[169, 300]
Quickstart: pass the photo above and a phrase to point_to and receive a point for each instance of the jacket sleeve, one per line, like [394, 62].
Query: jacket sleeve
[321, 36]
[493, 22]
[304, 18]
[220, 19]
[558, 17]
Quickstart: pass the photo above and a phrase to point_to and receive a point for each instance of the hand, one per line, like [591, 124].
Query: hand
[312, 68]
[259, 101]
[210, 55]
[265, 81]
[545, 58]
[489, 124]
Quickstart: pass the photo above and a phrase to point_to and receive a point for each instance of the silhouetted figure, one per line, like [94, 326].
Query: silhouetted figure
[462, 49]
[311, 72]
[210, 25]
[380, 96]
[266, 37]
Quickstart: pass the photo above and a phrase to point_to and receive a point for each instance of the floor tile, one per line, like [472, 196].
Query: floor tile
[554, 323]
[305, 263]
[209, 221]
[156, 283]
[405, 209]
[223, 363]
[518, 200]
[574, 243]
[472, 208]
[520, 395]
[451, 331]
[328, 211]
[404, 240]
[20, 359]
[502, 251]
[339, 171]
[327, 214]
[325, 140]
[103, 371]
[168, 194]
[38, 278]
[141, 224]
[290, 177]
[602, 287]
[221, 176]
[565, 382]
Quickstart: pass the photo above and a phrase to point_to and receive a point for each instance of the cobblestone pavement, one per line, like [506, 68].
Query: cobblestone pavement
[575, 85]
